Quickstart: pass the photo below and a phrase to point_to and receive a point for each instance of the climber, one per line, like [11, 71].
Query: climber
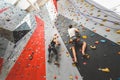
[53, 47]
[75, 41]
[82, 47]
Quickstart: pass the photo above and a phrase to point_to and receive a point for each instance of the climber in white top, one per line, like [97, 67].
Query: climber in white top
[76, 42]
[72, 31]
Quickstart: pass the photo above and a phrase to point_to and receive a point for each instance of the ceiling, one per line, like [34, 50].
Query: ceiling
[28, 5]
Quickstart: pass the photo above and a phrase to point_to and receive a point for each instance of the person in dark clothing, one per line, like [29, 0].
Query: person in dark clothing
[52, 47]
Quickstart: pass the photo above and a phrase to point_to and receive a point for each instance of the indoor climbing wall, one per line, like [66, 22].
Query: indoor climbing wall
[53, 72]
[93, 17]
[51, 9]
[104, 54]
[61, 72]
[11, 16]
[31, 62]
[24, 40]
[15, 31]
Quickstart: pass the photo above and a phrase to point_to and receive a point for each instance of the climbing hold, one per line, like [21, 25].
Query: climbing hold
[84, 63]
[92, 47]
[67, 54]
[84, 37]
[98, 15]
[87, 19]
[71, 77]
[92, 5]
[105, 35]
[65, 42]
[103, 41]
[96, 42]
[94, 30]
[101, 24]
[31, 56]
[104, 20]
[116, 23]
[119, 52]
[104, 69]
[108, 29]
[92, 34]
[118, 31]
[55, 77]
[76, 77]
[118, 42]
[105, 15]
[99, 11]
[91, 14]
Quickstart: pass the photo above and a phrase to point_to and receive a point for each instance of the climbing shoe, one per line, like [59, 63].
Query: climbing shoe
[87, 56]
[74, 64]
[56, 63]
[49, 61]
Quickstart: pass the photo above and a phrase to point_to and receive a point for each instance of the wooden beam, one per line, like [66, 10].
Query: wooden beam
[16, 2]
[32, 5]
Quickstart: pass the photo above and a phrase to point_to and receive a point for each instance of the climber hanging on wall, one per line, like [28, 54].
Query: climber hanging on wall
[76, 42]
[54, 44]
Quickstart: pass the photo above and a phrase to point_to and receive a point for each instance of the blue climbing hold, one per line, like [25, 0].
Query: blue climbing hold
[103, 41]
[92, 34]
[113, 44]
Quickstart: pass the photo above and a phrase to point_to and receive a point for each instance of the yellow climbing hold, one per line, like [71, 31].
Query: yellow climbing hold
[82, 0]
[84, 37]
[104, 69]
[67, 54]
[101, 24]
[116, 23]
[118, 31]
[92, 47]
[104, 20]
[71, 77]
[118, 42]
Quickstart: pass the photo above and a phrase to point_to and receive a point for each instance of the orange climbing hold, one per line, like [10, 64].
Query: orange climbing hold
[119, 52]
[108, 29]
